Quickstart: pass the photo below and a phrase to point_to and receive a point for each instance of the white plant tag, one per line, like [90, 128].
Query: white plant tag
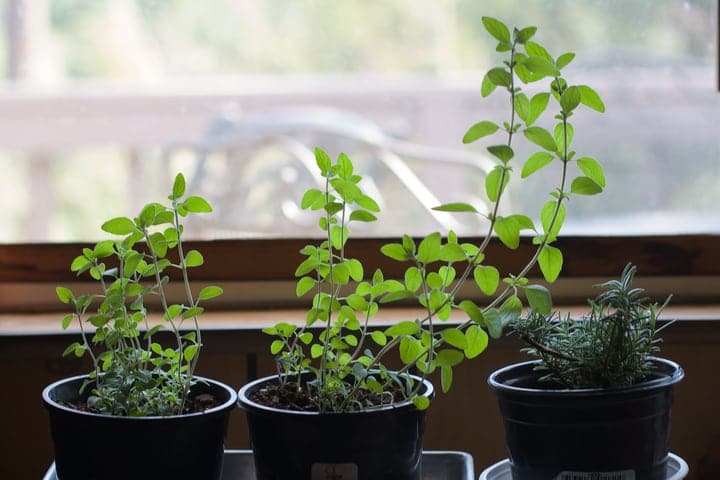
[334, 471]
[620, 475]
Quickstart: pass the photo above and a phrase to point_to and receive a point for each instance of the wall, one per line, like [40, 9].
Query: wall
[466, 418]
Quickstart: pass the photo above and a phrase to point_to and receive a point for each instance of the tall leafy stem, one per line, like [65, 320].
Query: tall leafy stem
[347, 381]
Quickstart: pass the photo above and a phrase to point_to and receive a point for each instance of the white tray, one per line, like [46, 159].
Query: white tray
[437, 465]
[677, 469]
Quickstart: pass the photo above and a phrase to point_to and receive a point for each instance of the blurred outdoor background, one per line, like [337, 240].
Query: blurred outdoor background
[102, 101]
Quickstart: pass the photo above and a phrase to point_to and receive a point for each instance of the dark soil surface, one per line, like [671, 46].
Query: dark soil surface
[291, 396]
[198, 403]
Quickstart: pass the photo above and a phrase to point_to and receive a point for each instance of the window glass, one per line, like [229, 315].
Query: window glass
[102, 101]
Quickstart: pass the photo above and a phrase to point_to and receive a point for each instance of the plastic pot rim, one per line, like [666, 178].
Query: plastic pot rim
[245, 403]
[225, 405]
[497, 381]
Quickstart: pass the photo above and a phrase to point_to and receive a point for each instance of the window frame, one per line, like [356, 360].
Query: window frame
[686, 265]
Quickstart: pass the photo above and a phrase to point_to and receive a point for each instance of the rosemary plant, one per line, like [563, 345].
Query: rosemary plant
[346, 365]
[611, 346]
[134, 374]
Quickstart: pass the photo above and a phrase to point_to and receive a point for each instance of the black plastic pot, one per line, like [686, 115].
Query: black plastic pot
[374, 444]
[90, 446]
[619, 431]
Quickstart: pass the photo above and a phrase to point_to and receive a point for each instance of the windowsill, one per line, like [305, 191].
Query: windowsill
[29, 324]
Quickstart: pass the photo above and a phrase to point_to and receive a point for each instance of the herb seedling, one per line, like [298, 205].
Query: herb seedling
[133, 374]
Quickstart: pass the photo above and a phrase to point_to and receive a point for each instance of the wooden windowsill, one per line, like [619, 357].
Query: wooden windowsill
[28, 324]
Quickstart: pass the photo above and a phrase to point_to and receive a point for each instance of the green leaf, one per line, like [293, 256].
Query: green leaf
[173, 311]
[507, 231]
[357, 302]
[378, 337]
[502, 152]
[456, 207]
[316, 350]
[570, 99]
[473, 311]
[307, 266]
[104, 249]
[367, 203]
[119, 226]
[541, 66]
[362, 216]
[210, 292]
[347, 190]
[487, 86]
[522, 36]
[539, 298]
[538, 104]
[541, 137]
[395, 251]
[197, 205]
[452, 252]
[536, 161]
[559, 134]
[190, 352]
[413, 279]
[546, 216]
[495, 182]
[341, 274]
[67, 320]
[534, 49]
[429, 249]
[510, 311]
[522, 107]
[80, 264]
[592, 169]
[304, 285]
[192, 312]
[323, 161]
[421, 403]
[477, 341]
[405, 327]
[493, 323]
[585, 186]
[446, 378]
[313, 199]
[338, 236]
[564, 59]
[194, 259]
[345, 166]
[276, 346]
[591, 99]
[497, 29]
[487, 278]
[409, 349]
[479, 130]
[449, 358]
[355, 268]
[64, 294]
[454, 337]
[499, 77]
[71, 348]
[178, 189]
[550, 261]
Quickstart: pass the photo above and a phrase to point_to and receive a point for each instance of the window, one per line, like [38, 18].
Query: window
[102, 101]
[105, 99]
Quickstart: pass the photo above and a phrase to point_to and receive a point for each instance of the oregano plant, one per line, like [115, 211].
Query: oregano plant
[134, 374]
[345, 364]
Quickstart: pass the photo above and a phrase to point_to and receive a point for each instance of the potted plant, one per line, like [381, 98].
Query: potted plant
[339, 405]
[141, 412]
[596, 402]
